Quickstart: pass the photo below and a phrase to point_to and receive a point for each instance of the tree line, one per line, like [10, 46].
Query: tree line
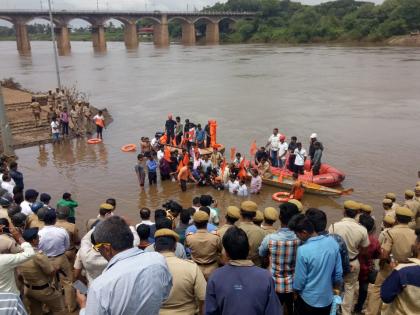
[342, 20]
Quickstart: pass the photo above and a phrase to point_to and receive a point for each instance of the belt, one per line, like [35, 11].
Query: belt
[353, 259]
[37, 287]
[56, 256]
[205, 264]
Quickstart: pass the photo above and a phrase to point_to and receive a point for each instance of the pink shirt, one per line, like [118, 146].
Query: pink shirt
[256, 183]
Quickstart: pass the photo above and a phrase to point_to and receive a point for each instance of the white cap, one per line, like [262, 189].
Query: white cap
[314, 135]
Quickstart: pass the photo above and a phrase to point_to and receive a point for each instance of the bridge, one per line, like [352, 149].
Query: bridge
[98, 19]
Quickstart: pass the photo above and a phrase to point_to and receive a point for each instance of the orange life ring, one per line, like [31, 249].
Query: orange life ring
[129, 148]
[281, 196]
[94, 141]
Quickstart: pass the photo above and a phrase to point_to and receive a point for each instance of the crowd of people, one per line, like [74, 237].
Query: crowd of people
[64, 115]
[188, 260]
[177, 155]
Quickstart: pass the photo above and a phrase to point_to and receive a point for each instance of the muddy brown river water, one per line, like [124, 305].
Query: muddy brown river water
[364, 103]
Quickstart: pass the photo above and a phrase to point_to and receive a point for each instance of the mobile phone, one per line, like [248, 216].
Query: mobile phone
[79, 285]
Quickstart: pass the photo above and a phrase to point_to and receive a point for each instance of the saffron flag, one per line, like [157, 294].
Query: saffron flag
[232, 153]
[167, 154]
[253, 148]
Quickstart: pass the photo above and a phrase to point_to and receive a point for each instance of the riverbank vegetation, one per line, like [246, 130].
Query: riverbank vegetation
[283, 21]
[337, 21]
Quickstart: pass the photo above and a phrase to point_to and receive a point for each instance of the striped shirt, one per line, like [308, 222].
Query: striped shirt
[282, 248]
[10, 304]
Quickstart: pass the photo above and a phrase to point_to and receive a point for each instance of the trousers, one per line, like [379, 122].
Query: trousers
[351, 283]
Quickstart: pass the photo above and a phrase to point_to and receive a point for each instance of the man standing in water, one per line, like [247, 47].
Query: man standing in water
[179, 131]
[139, 168]
[274, 143]
[170, 129]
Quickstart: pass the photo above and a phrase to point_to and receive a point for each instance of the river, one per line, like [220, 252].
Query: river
[362, 101]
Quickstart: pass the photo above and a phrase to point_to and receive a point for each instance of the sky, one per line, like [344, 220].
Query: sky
[139, 5]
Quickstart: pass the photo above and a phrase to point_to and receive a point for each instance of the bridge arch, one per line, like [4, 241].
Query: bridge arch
[204, 19]
[179, 19]
[149, 18]
[45, 18]
[6, 18]
[122, 20]
[83, 18]
[228, 19]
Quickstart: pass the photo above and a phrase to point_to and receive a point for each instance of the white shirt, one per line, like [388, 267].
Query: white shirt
[147, 222]
[8, 262]
[300, 156]
[160, 154]
[8, 186]
[233, 186]
[53, 240]
[274, 142]
[205, 165]
[283, 149]
[243, 191]
[54, 127]
[154, 142]
[214, 216]
[26, 207]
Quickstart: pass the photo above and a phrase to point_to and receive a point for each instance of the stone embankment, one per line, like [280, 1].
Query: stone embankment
[405, 40]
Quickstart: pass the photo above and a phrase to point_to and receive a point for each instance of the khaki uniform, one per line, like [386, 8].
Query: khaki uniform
[407, 301]
[65, 275]
[399, 241]
[268, 229]
[8, 245]
[222, 230]
[36, 110]
[4, 214]
[255, 237]
[74, 119]
[188, 287]
[355, 236]
[38, 290]
[414, 205]
[74, 238]
[205, 250]
[33, 221]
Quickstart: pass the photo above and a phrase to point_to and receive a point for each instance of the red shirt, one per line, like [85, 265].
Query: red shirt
[366, 262]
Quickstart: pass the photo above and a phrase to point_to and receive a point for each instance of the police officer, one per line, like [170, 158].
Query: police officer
[357, 241]
[259, 218]
[8, 244]
[410, 202]
[54, 241]
[393, 198]
[387, 205]
[397, 247]
[37, 276]
[270, 217]
[188, 283]
[254, 233]
[205, 246]
[233, 214]
[62, 216]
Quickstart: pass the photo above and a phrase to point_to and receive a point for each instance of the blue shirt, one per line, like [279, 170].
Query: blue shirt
[193, 228]
[318, 267]
[133, 283]
[200, 135]
[241, 288]
[151, 165]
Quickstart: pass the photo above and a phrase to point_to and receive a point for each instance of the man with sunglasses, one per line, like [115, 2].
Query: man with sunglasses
[134, 282]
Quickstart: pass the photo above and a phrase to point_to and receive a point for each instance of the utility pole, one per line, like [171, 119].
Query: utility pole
[6, 135]
[57, 67]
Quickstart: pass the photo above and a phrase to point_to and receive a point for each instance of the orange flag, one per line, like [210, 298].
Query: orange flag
[223, 166]
[253, 148]
[242, 171]
[167, 154]
[232, 153]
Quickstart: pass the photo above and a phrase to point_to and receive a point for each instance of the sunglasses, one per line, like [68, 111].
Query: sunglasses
[96, 247]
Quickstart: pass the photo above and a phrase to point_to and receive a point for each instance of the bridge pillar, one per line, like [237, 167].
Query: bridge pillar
[161, 32]
[98, 37]
[131, 38]
[212, 33]
[188, 33]
[22, 38]
[63, 39]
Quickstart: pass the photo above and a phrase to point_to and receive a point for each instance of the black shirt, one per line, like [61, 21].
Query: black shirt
[170, 126]
[260, 154]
